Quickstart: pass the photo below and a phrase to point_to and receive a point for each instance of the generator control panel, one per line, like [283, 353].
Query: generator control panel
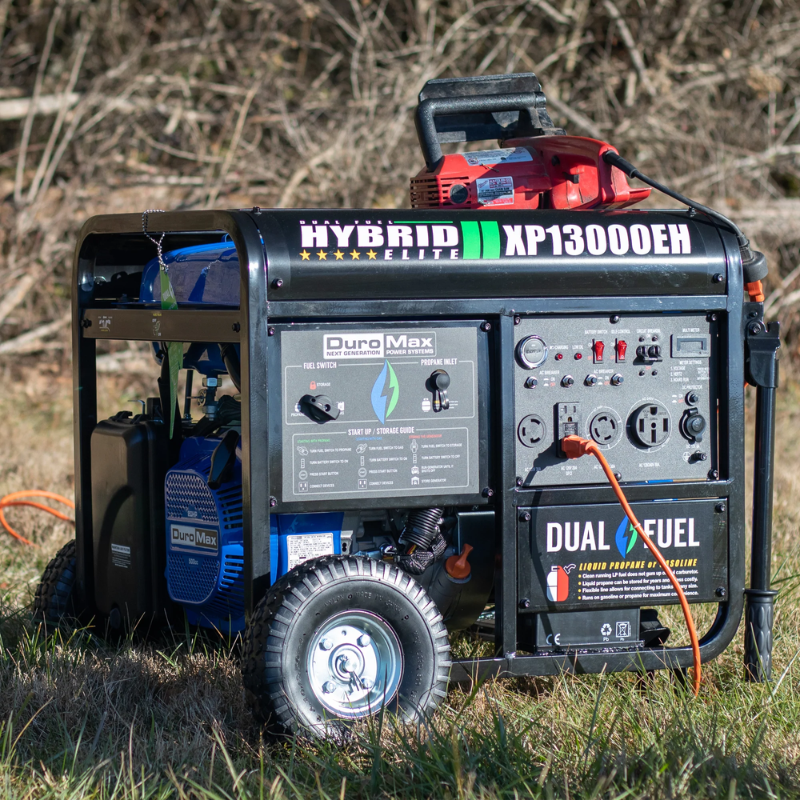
[381, 411]
[644, 388]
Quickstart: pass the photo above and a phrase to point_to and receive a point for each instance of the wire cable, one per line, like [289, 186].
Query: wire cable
[577, 446]
[19, 499]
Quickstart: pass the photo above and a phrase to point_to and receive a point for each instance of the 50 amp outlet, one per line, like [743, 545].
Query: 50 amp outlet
[644, 388]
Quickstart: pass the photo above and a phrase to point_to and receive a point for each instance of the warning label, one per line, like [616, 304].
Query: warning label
[301, 547]
[481, 158]
[496, 191]
[585, 556]
[121, 556]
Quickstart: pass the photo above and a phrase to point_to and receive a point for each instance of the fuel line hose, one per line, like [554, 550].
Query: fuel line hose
[19, 499]
[577, 446]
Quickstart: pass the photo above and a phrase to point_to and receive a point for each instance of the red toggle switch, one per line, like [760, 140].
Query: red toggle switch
[597, 349]
[622, 348]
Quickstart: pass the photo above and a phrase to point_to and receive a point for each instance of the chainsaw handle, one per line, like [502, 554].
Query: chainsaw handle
[433, 107]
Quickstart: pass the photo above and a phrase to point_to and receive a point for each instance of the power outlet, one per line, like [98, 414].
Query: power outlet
[651, 425]
[605, 427]
[568, 422]
[532, 431]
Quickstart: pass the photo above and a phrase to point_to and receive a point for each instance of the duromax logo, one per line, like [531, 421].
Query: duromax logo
[625, 537]
[385, 392]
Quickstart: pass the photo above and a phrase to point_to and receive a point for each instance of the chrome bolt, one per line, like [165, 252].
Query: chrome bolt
[364, 640]
[328, 687]
[326, 644]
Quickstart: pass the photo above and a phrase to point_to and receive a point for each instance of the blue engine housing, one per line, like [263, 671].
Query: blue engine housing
[205, 552]
[205, 274]
[205, 556]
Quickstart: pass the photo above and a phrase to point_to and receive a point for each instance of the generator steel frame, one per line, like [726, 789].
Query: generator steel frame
[749, 349]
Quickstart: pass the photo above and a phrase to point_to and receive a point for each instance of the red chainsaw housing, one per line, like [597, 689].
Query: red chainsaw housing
[541, 172]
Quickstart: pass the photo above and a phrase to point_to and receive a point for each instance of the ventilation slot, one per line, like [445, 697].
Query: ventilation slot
[187, 491]
[190, 583]
[228, 603]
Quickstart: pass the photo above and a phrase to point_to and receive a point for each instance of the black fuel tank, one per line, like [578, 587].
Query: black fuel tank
[129, 461]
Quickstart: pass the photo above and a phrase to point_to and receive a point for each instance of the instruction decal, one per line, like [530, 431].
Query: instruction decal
[584, 556]
[389, 429]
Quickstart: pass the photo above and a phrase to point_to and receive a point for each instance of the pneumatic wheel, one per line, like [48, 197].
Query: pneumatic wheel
[339, 638]
[54, 600]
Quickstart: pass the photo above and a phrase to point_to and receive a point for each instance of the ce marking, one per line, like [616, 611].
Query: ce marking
[553, 639]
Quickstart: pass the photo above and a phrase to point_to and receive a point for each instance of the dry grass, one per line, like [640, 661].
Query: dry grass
[85, 718]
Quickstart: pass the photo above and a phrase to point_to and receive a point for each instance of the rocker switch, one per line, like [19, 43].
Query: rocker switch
[597, 349]
[622, 348]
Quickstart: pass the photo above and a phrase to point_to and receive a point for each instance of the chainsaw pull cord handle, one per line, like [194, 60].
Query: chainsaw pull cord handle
[754, 264]
[575, 447]
[475, 104]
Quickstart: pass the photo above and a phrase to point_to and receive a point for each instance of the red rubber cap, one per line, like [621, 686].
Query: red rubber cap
[457, 566]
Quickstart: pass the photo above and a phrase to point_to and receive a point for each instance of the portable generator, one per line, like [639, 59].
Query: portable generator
[395, 405]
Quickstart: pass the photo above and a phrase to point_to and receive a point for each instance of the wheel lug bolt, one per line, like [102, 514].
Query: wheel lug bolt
[364, 640]
[328, 687]
[326, 644]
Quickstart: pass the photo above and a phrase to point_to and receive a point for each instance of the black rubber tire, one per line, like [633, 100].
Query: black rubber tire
[277, 638]
[54, 600]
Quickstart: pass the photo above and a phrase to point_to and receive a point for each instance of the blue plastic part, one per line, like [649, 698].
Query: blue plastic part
[206, 274]
[209, 582]
[205, 358]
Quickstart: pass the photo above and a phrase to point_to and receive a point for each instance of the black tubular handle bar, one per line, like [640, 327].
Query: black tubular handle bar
[434, 107]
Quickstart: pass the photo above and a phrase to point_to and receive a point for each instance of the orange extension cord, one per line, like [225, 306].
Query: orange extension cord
[16, 499]
[575, 447]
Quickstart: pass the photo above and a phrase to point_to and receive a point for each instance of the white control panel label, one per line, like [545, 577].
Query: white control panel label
[302, 546]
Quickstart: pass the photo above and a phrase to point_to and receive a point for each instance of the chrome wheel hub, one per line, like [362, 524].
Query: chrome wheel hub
[355, 664]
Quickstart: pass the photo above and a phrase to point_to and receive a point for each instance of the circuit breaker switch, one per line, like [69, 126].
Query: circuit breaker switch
[597, 349]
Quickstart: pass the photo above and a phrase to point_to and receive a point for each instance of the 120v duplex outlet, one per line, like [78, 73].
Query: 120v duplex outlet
[651, 425]
[568, 421]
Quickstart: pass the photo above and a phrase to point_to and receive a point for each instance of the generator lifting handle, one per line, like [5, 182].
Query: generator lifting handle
[762, 343]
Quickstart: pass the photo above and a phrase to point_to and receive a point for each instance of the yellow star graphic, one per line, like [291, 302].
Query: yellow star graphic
[322, 255]
[304, 255]
[339, 255]
[355, 255]
[371, 254]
